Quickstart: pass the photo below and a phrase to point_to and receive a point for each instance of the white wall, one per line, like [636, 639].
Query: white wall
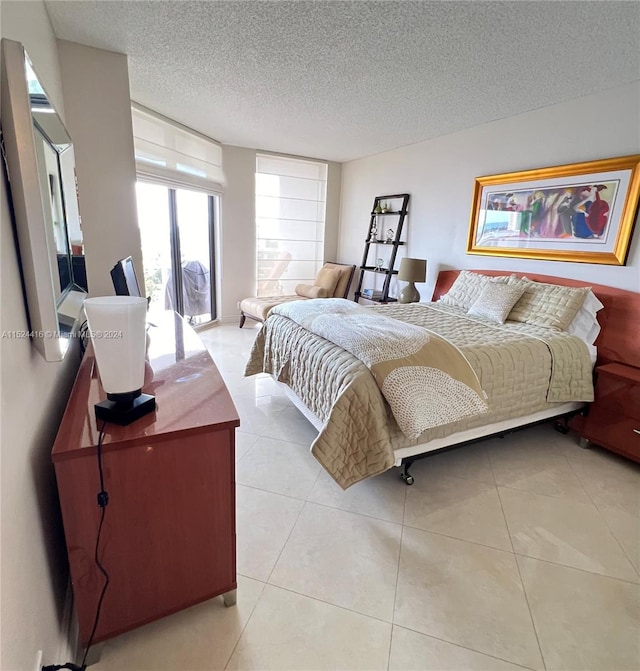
[439, 174]
[33, 394]
[238, 230]
[95, 84]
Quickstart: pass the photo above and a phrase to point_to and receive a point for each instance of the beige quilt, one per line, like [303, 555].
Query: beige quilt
[521, 368]
[426, 380]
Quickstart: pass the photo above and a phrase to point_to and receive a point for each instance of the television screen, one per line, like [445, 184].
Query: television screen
[124, 278]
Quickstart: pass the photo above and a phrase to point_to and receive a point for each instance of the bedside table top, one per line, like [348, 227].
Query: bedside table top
[620, 370]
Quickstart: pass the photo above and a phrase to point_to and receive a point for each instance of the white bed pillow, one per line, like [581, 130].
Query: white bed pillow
[468, 286]
[550, 305]
[496, 300]
[585, 324]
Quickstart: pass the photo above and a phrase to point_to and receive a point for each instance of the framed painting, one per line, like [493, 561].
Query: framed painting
[583, 212]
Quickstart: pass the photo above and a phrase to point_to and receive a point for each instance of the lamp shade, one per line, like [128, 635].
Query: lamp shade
[117, 330]
[412, 270]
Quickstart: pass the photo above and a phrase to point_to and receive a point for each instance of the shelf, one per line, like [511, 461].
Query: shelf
[383, 271]
[377, 236]
[376, 300]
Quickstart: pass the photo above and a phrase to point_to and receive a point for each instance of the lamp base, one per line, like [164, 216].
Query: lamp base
[125, 413]
[409, 294]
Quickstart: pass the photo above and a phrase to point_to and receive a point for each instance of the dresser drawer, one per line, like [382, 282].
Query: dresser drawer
[616, 396]
[620, 434]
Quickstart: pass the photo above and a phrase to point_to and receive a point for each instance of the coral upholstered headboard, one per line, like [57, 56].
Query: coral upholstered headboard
[619, 339]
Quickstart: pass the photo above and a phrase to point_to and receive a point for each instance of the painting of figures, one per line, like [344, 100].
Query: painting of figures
[580, 212]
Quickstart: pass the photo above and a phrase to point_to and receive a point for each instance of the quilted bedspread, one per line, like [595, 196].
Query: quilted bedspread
[425, 379]
[521, 368]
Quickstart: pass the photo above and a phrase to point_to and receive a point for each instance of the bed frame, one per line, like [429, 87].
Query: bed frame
[618, 341]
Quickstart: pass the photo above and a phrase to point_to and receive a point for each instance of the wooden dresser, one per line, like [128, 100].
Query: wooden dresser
[168, 539]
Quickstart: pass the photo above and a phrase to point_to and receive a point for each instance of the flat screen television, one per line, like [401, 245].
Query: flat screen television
[123, 276]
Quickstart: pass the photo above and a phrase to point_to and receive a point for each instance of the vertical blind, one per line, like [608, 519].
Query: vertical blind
[173, 155]
[290, 217]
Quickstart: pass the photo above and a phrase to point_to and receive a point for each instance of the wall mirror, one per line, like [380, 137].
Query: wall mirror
[41, 171]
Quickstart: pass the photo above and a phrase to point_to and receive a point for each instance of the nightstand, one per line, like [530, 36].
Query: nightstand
[613, 421]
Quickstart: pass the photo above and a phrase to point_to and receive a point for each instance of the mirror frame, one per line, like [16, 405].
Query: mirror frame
[28, 205]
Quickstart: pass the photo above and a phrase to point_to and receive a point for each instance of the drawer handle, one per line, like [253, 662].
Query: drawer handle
[637, 430]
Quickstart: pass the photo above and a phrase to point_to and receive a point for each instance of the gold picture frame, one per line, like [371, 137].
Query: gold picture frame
[580, 212]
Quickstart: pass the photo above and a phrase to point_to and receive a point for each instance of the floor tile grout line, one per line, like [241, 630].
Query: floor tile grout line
[268, 491]
[549, 496]
[332, 507]
[284, 545]
[464, 647]
[602, 517]
[533, 622]
[255, 605]
[313, 486]
[395, 591]
[354, 512]
[590, 500]
[393, 627]
[262, 435]
[515, 559]
[329, 603]
[582, 570]
[462, 540]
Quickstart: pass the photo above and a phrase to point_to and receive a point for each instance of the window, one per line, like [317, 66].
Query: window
[174, 154]
[179, 180]
[176, 230]
[290, 218]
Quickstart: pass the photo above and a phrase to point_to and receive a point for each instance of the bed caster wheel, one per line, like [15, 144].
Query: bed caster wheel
[408, 479]
[561, 427]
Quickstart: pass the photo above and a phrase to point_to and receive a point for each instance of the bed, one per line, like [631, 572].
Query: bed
[527, 372]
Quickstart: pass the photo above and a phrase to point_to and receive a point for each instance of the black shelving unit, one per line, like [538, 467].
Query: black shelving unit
[380, 221]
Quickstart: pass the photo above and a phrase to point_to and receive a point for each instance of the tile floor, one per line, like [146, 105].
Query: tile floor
[522, 552]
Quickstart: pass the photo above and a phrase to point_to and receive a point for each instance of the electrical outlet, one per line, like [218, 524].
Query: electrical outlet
[38, 664]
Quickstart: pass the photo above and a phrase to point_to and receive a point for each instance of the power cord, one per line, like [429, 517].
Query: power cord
[103, 502]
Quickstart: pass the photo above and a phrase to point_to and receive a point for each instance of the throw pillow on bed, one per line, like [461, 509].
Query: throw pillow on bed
[550, 305]
[495, 301]
[468, 286]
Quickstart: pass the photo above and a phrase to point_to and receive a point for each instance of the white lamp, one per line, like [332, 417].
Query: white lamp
[117, 330]
[411, 270]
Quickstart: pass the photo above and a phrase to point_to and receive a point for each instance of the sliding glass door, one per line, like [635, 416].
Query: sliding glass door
[178, 251]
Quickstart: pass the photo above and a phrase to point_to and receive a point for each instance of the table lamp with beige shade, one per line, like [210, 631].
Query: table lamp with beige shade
[411, 271]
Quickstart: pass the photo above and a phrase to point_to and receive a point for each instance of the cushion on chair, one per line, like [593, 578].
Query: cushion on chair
[311, 291]
[336, 278]
[327, 278]
[346, 273]
[258, 308]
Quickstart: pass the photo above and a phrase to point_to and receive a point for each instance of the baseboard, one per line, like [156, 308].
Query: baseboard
[233, 319]
[68, 628]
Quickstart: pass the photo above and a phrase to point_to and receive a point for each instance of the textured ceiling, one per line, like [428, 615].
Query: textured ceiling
[342, 80]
